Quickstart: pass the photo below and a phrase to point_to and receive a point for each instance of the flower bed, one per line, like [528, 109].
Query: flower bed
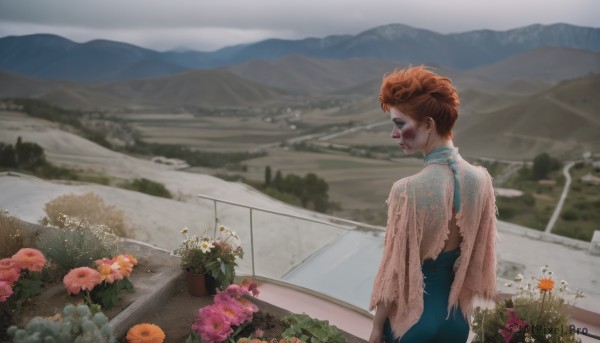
[152, 268]
[178, 314]
[156, 278]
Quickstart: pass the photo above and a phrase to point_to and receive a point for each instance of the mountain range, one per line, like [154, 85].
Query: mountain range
[46, 56]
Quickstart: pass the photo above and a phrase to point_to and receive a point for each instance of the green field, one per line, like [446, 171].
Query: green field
[535, 207]
[580, 215]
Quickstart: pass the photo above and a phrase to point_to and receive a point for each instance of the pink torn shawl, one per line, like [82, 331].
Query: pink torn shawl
[419, 212]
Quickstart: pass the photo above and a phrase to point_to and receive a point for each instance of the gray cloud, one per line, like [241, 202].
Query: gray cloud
[211, 24]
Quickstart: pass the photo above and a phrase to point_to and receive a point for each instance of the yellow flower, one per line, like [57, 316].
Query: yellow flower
[145, 333]
[545, 285]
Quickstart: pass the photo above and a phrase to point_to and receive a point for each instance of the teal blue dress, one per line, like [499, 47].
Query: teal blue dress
[433, 327]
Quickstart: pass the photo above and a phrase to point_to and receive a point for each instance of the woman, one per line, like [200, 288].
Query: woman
[439, 250]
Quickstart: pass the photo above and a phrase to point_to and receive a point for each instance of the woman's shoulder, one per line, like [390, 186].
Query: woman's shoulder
[477, 172]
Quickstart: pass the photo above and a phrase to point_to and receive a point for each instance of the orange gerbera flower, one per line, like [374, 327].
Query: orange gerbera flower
[31, 259]
[132, 259]
[545, 285]
[125, 263]
[145, 333]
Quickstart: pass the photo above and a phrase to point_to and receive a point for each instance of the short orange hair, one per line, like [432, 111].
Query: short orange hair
[420, 93]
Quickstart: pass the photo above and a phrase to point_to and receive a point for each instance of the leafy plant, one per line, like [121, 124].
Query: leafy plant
[311, 330]
[214, 256]
[76, 243]
[107, 295]
[78, 324]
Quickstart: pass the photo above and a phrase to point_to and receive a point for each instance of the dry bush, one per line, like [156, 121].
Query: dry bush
[11, 235]
[89, 207]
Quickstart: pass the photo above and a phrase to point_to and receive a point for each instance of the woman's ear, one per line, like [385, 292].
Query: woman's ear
[429, 124]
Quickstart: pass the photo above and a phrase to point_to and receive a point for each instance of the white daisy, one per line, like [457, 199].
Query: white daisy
[205, 246]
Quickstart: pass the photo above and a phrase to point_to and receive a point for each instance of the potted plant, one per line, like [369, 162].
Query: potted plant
[538, 312]
[209, 263]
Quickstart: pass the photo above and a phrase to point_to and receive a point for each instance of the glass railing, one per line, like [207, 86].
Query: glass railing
[297, 249]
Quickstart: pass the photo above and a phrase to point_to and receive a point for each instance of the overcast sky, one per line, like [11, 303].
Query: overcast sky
[211, 24]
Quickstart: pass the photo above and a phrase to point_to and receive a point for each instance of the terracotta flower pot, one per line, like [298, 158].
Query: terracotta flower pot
[196, 284]
[200, 285]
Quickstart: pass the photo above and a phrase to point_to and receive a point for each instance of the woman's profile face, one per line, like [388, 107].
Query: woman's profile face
[407, 132]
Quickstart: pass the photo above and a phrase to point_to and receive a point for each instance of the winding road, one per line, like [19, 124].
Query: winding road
[563, 196]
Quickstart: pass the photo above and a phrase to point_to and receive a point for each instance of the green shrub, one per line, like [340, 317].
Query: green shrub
[149, 187]
[506, 212]
[76, 243]
[569, 215]
[528, 200]
[192, 157]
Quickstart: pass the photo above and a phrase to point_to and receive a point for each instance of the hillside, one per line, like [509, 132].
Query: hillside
[12, 85]
[311, 75]
[155, 220]
[546, 64]
[563, 121]
[204, 88]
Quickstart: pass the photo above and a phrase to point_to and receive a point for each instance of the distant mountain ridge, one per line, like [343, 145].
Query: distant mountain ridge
[48, 56]
[53, 57]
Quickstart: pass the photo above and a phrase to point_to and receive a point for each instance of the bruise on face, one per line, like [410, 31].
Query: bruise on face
[409, 134]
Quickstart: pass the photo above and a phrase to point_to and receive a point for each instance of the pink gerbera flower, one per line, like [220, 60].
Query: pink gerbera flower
[212, 325]
[512, 326]
[251, 286]
[82, 278]
[248, 307]
[233, 312]
[9, 271]
[30, 259]
[223, 296]
[235, 290]
[5, 290]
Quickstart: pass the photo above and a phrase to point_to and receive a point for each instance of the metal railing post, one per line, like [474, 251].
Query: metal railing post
[252, 242]
[216, 219]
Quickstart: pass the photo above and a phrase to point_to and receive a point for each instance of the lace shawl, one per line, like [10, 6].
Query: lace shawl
[419, 212]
